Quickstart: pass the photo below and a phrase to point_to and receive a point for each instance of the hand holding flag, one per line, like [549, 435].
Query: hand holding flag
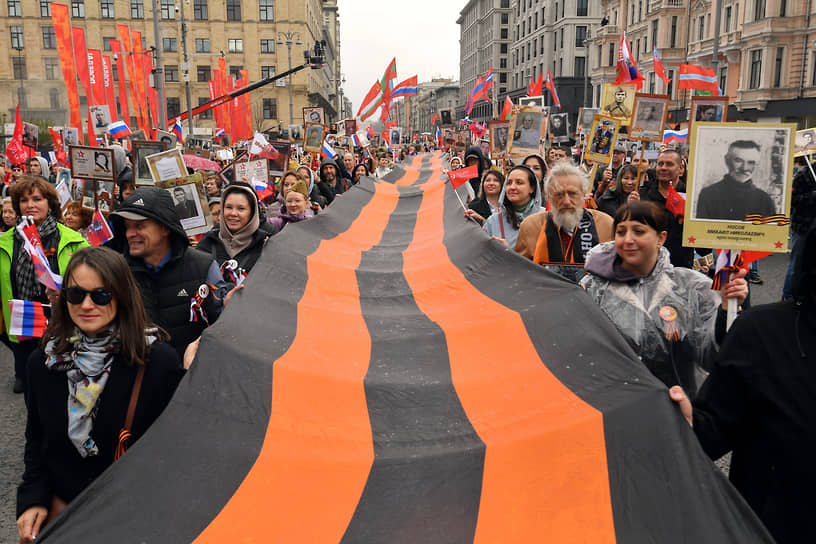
[33, 246]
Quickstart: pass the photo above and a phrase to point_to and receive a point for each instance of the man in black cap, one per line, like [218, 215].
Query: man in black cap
[181, 287]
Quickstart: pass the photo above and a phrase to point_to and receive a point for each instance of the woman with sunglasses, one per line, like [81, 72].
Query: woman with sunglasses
[98, 354]
[33, 197]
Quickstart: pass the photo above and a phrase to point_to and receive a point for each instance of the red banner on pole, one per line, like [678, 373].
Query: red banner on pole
[120, 71]
[107, 82]
[62, 30]
[81, 56]
[225, 110]
[124, 34]
[231, 113]
[211, 86]
[141, 87]
[95, 76]
[248, 132]
[15, 150]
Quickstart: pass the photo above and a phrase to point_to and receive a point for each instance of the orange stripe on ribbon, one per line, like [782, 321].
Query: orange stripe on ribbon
[545, 473]
[318, 449]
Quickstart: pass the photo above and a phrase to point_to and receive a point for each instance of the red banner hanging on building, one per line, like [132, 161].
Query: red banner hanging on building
[120, 71]
[124, 34]
[141, 88]
[95, 77]
[107, 82]
[246, 105]
[212, 86]
[62, 30]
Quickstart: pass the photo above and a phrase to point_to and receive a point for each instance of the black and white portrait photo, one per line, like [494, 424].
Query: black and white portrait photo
[70, 136]
[649, 117]
[395, 136]
[585, 118]
[709, 109]
[446, 117]
[738, 171]
[618, 101]
[529, 128]
[805, 142]
[313, 115]
[499, 134]
[559, 127]
[295, 133]
[313, 137]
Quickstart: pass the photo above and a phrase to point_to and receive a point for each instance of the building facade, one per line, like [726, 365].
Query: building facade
[432, 96]
[485, 41]
[254, 35]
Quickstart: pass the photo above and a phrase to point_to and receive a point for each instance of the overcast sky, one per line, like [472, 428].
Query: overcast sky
[421, 34]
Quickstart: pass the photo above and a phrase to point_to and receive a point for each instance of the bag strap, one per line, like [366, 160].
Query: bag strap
[124, 434]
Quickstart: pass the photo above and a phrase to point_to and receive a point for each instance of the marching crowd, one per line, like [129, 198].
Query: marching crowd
[125, 324]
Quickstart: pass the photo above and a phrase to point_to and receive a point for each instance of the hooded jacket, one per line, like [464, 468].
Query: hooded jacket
[43, 166]
[168, 292]
[499, 226]
[325, 189]
[475, 151]
[760, 403]
[635, 305]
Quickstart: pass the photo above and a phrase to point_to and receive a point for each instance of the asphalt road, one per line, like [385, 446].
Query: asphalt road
[12, 414]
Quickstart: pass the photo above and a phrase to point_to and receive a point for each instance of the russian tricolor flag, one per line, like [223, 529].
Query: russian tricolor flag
[27, 319]
[219, 133]
[675, 135]
[355, 140]
[438, 138]
[176, 129]
[119, 130]
[328, 151]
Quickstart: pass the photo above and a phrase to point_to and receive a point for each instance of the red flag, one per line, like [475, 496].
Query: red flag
[107, 82]
[551, 87]
[124, 34]
[434, 118]
[463, 175]
[390, 124]
[246, 105]
[750, 256]
[141, 91]
[535, 86]
[372, 97]
[95, 76]
[658, 67]
[59, 148]
[225, 108]
[477, 129]
[98, 232]
[15, 150]
[676, 204]
[696, 77]
[627, 70]
[507, 109]
[81, 56]
[62, 30]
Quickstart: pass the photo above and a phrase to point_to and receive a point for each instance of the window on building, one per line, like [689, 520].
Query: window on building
[169, 44]
[637, 49]
[599, 57]
[535, 20]
[502, 63]
[579, 69]
[582, 8]
[207, 114]
[673, 35]
[267, 46]
[504, 18]
[106, 43]
[49, 37]
[523, 23]
[173, 106]
[203, 74]
[267, 13]
[106, 9]
[45, 8]
[670, 85]
[555, 13]
[233, 10]
[114, 72]
[52, 68]
[171, 72]
[654, 33]
[18, 67]
[235, 71]
[611, 59]
[651, 82]
[137, 9]
[728, 19]
[14, 8]
[724, 78]
[202, 45]
[236, 45]
[503, 78]
[267, 71]
[783, 7]
[17, 40]
[780, 53]
[200, 10]
[53, 99]
[168, 9]
[535, 48]
[759, 9]
[503, 49]
[560, 67]
[528, 50]
[700, 28]
[756, 69]
[78, 8]
[503, 34]
[580, 35]
[505, 4]
[541, 50]
[270, 108]
[640, 10]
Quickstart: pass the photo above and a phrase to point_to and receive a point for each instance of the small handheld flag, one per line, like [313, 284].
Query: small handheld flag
[507, 109]
[438, 138]
[434, 118]
[551, 87]
[219, 133]
[176, 129]
[627, 71]
[98, 232]
[670, 136]
[33, 246]
[696, 77]
[328, 151]
[27, 319]
[463, 175]
[658, 67]
[119, 130]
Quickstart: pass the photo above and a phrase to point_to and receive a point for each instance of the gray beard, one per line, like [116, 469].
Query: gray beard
[567, 220]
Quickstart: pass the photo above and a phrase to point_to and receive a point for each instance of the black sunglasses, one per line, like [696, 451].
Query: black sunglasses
[76, 295]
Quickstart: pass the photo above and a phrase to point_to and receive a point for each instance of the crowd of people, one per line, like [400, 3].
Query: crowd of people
[126, 321]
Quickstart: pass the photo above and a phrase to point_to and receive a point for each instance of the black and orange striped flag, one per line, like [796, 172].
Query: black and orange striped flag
[391, 374]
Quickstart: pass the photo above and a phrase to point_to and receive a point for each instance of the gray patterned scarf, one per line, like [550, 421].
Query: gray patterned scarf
[27, 286]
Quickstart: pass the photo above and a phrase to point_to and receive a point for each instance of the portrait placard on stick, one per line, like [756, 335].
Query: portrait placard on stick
[602, 138]
[528, 129]
[649, 117]
[190, 201]
[499, 138]
[313, 137]
[140, 150]
[250, 171]
[739, 185]
[805, 142]
[92, 163]
[709, 109]
[166, 165]
[618, 101]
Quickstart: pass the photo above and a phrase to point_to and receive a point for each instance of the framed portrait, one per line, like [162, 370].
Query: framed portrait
[280, 164]
[445, 117]
[461, 140]
[528, 127]
[649, 117]
[104, 196]
[350, 126]
[448, 136]
[63, 187]
[101, 118]
[167, 137]
[31, 135]
[313, 137]
[585, 118]
[314, 116]
[89, 194]
[253, 170]
[618, 101]
[739, 185]
[395, 136]
[138, 135]
[166, 165]
[709, 109]
[499, 138]
[559, 127]
[139, 150]
[362, 138]
[602, 137]
[295, 133]
[537, 101]
[805, 143]
[70, 136]
[92, 163]
[484, 145]
[190, 202]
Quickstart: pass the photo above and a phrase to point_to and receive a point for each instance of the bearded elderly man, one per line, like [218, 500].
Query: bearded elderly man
[564, 234]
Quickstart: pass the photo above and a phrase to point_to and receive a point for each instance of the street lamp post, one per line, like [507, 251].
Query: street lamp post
[289, 38]
[20, 71]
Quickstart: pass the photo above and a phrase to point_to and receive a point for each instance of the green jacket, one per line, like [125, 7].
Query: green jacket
[70, 241]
